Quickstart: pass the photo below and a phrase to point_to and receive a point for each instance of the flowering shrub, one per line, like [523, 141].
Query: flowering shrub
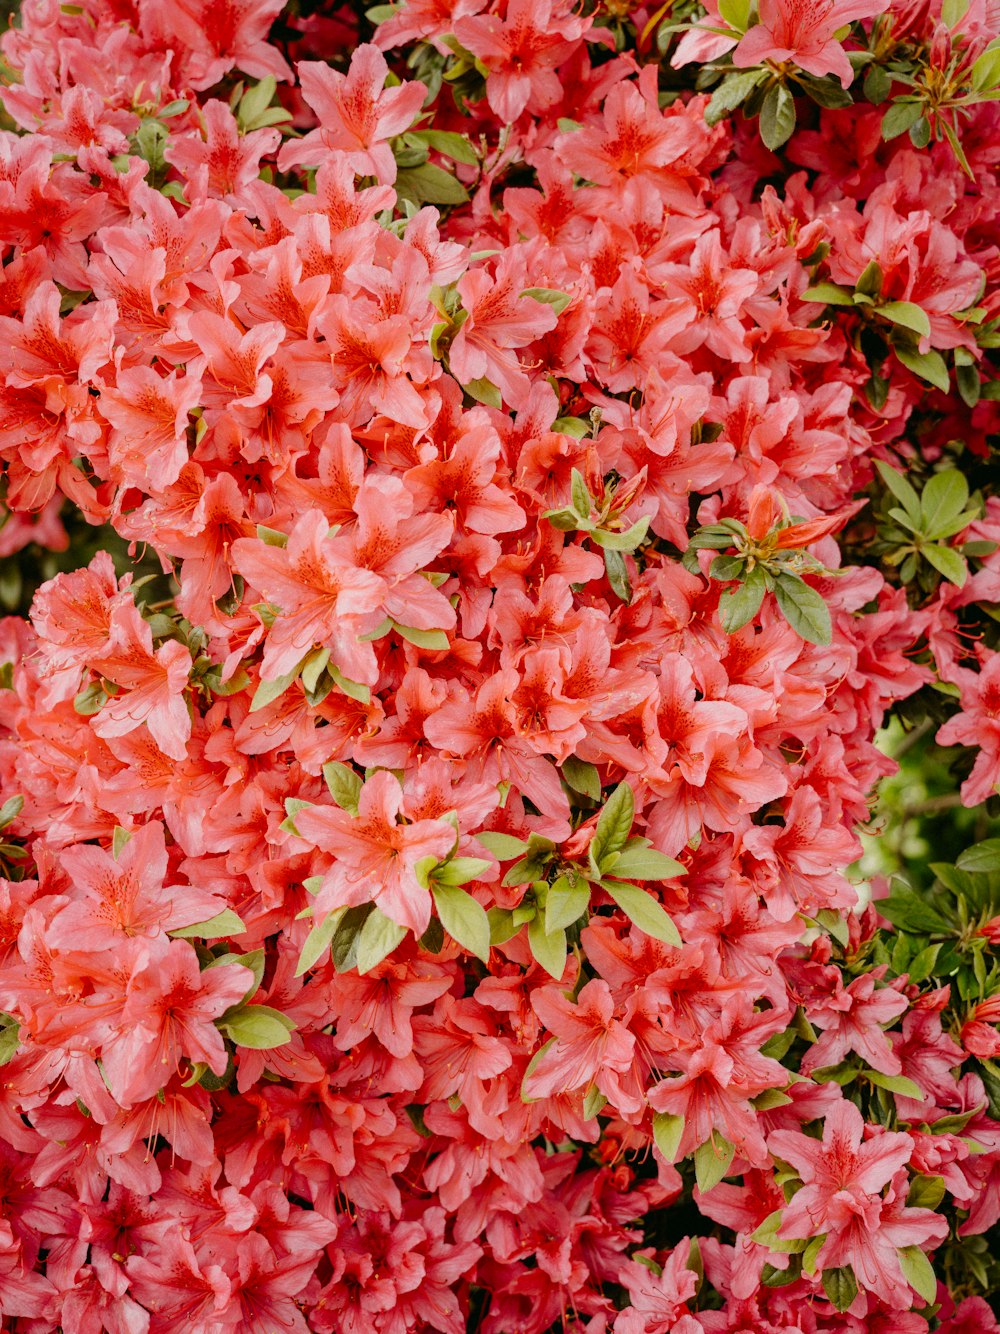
[479, 477]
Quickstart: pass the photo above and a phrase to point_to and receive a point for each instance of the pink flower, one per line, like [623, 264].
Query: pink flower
[375, 854]
[803, 33]
[357, 114]
[169, 1016]
[851, 1020]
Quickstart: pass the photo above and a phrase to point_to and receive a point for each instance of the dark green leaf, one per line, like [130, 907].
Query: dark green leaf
[840, 1286]
[777, 117]
[738, 606]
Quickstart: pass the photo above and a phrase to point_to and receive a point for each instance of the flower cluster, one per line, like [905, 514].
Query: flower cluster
[427, 819]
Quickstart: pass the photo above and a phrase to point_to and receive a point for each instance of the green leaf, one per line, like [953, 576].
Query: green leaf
[642, 909]
[803, 608]
[377, 939]
[668, 1130]
[549, 296]
[119, 839]
[502, 925]
[268, 691]
[533, 1065]
[344, 785]
[907, 314]
[319, 941]
[980, 858]
[505, 847]
[225, 923]
[901, 489]
[428, 184]
[825, 92]
[565, 903]
[905, 908]
[10, 1037]
[580, 494]
[484, 391]
[90, 700]
[582, 777]
[877, 84]
[736, 13]
[840, 1286]
[257, 1026]
[899, 117]
[448, 144]
[353, 689]
[313, 667]
[429, 639]
[547, 947]
[829, 294]
[13, 807]
[463, 918]
[640, 862]
[731, 93]
[777, 117]
[628, 541]
[943, 499]
[593, 1102]
[918, 1272]
[926, 1192]
[929, 366]
[947, 561]
[900, 1084]
[712, 1161]
[617, 571]
[460, 870]
[613, 826]
[985, 73]
[739, 605]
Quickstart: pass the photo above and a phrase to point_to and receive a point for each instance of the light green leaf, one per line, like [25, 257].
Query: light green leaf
[617, 571]
[505, 847]
[463, 918]
[428, 639]
[533, 1065]
[448, 144]
[981, 857]
[502, 925]
[901, 489]
[547, 947]
[344, 785]
[639, 862]
[565, 903]
[377, 939]
[803, 608]
[918, 1272]
[119, 839]
[428, 184]
[926, 1192]
[907, 314]
[549, 296]
[353, 689]
[593, 1102]
[318, 941]
[668, 1130]
[269, 691]
[942, 500]
[929, 366]
[627, 541]
[484, 391]
[712, 1161]
[259, 1027]
[900, 1084]
[736, 13]
[829, 294]
[613, 826]
[642, 909]
[947, 561]
[225, 923]
[582, 777]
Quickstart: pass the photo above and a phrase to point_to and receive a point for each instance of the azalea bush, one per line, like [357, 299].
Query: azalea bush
[500, 687]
